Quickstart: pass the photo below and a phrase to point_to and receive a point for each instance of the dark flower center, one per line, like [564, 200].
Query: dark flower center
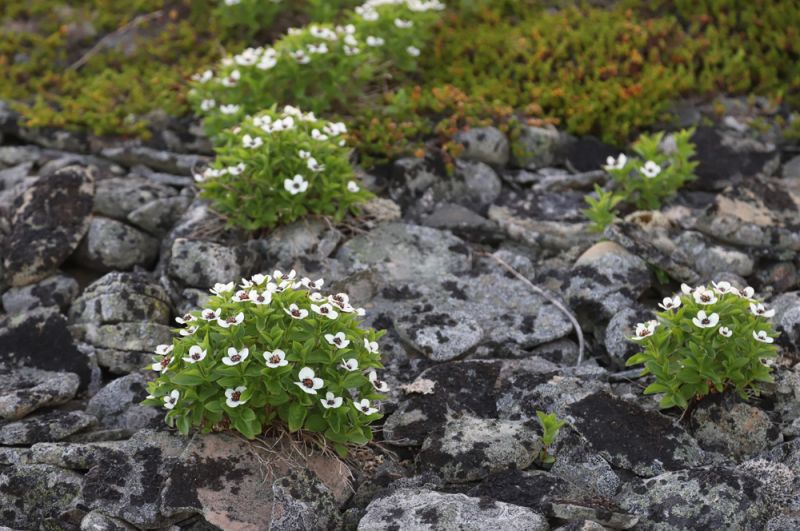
[210, 315]
[236, 396]
[196, 356]
[337, 340]
[295, 313]
[706, 320]
[231, 320]
[330, 402]
[236, 357]
[308, 382]
[275, 359]
[705, 297]
[324, 309]
[244, 296]
[260, 298]
[165, 361]
[187, 317]
[644, 332]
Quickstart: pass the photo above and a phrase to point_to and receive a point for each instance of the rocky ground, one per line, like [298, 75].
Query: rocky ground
[105, 243]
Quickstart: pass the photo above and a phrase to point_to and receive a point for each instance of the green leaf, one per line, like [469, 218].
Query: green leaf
[316, 422]
[655, 388]
[183, 378]
[297, 414]
[213, 406]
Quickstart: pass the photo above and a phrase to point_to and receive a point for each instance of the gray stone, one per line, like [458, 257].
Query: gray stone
[469, 448]
[474, 185]
[782, 522]
[117, 197]
[787, 318]
[441, 336]
[791, 169]
[38, 497]
[527, 488]
[44, 427]
[428, 510]
[583, 467]
[123, 361]
[11, 177]
[710, 260]
[23, 391]
[97, 521]
[411, 179]
[536, 147]
[51, 218]
[310, 238]
[597, 510]
[140, 336]
[546, 234]
[484, 144]
[116, 405]
[121, 297]
[14, 155]
[158, 216]
[181, 181]
[165, 161]
[301, 501]
[113, 245]
[643, 442]
[732, 428]
[463, 222]
[73, 456]
[201, 264]
[522, 394]
[406, 253]
[620, 328]
[58, 290]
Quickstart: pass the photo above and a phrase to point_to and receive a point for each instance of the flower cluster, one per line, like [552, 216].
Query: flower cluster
[316, 67]
[708, 338]
[657, 172]
[278, 166]
[272, 350]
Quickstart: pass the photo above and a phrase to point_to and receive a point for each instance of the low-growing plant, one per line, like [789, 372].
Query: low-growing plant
[279, 166]
[248, 16]
[657, 171]
[706, 340]
[273, 352]
[550, 424]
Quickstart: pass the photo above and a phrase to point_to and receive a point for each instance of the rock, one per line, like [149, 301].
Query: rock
[474, 185]
[15, 155]
[606, 279]
[710, 260]
[140, 336]
[58, 290]
[221, 477]
[776, 278]
[38, 497]
[51, 218]
[629, 437]
[121, 297]
[201, 264]
[168, 179]
[158, 216]
[405, 253]
[596, 509]
[165, 161]
[23, 391]
[11, 177]
[113, 245]
[790, 170]
[721, 162]
[441, 336]
[536, 147]
[44, 427]
[733, 428]
[60, 139]
[381, 210]
[787, 318]
[561, 205]
[463, 222]
[580, 466]
[469, 448]
[123, 361]
[40, 339]
[116, 405]
[521, 394]
[310, 238]
[587, 153]
[73, 456]
[423, 509]
[484, 144]
[97, 521]
[619, 329]
[699, 498]
[542, 234]
[783, 522]
[117, 197]
[527, 488]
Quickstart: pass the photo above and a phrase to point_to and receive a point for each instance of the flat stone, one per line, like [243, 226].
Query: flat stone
[121, 297]
[527, 488]
[583, 467]
[787, 318]
[165, 161]
[620, 328]
[140, 336]
[158, 216]
[38, 496]
[50, 220]
[484, 144]
[44, 427]
[14, 155]
[733, 428]
[596, 510]
[551, 235]
[117, 197]
[97, 521]
[23, 391]
[441, 336]
[309, 238]
[113, 245]
[428, 510]
[536, 147]
[201, 264]
[117, 405]
[123, 361]
[711, 260]
[73, 456]
[58, 290]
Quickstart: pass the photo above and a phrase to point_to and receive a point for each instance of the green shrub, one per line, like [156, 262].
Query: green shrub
[706, 339]
[248, 16]
[275, 352]
[550, 424]
[279, 166]
[646, 180]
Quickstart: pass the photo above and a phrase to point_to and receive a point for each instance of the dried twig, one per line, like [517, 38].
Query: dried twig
[553, 300]
[107, 41]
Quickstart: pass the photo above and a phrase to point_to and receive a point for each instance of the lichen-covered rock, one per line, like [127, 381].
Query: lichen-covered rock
[123, 361]
[159, 215]
[473, 185]
[618, 333]
[201, 264]
[698, 498]
[536, 147]
[521, 394]
[441, 334]
[116, 405]
[141, 336]
[49, 221]
[167, 161]
[484, 144]
[121, 297]
[528, 488]
[787, 318]
[710, 259]
[596, 509]
[629, 437]
[97, 521]
[551, 235]
[23, 391]
[116, 197]
[112, 245]
[311, 238]
[38, 497]
[583, 467]
[733, 428]
[73, 456]
[469, 448]
[301, 501]
[44, 427]
[428, 510]
[58, 290]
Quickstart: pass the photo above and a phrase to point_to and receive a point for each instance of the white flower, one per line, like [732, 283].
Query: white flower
[235, 357]
[259, 279]
[265, 297]
[361, 312]
[353, 187]
[267, 62]
[281, 276]
[326, 310]
[403, 24]
[207, 105]
[188, 331]
[163, 350]
[301, 57]
[241, 296]
[351, 50]
[335, 128]
[747, 293]
[365, 407]
[670, 303]
[211, 315]
[705, 321]
[233, 397]
[762, 336]
[312, 284]
[233, 320]
[296, 312]
[219, 289]
[308, 382]
[379, 385]
[686, 289]
[236, 170]
[316, 135]
[723, 287]
[616, 164]
[232, 2]
[705, 296]
[205, 77]
[304, 154]
[195, 354]
[163, 364]
[320, 48]
[413, 51]
[371, 346]
[171, 399]
[375, 41]
[331, 401]
[650, 169]
[313, 165]
[761, 310]
[275, 359]
[725, 331]
[340, 299]
[185, 319]
[250, 142]
[295, 186]
[229, 109]
[644, 330]
[316, 297]
[339, 340]
[349, 365]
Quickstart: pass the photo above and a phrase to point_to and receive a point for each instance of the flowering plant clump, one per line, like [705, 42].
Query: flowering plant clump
[278, 166]
[706, 339]
[272, 350]
[248, 15]
[645, 180]
[317, 67]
